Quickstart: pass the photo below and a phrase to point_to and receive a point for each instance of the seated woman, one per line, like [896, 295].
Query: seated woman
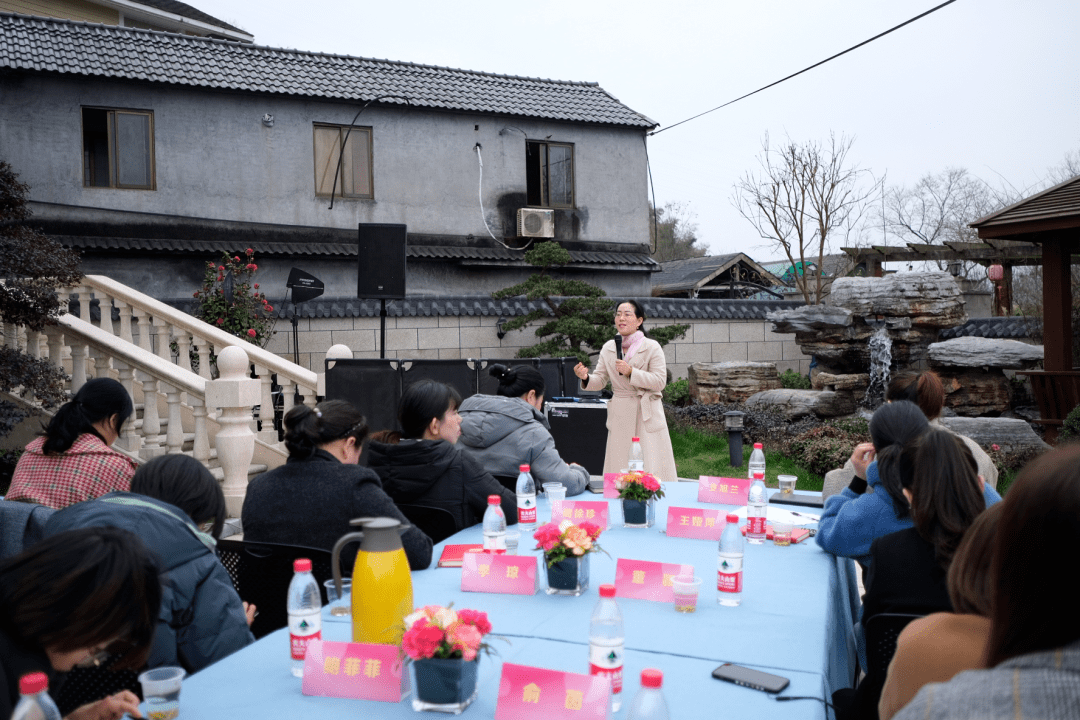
[1033, 653]
[938, 646]
[925, 390]
[507, 430]
[67, 599]
[908, 567]
[178, 509]
[855, 518]
[423, 465]
[73, 462]
[312, 497]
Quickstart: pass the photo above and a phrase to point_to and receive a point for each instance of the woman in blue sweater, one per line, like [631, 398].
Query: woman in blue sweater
[873, 504]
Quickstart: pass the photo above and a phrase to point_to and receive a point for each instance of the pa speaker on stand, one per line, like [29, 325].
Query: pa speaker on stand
[381, 268]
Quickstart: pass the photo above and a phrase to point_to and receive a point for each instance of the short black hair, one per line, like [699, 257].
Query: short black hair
[183, 481]
[82, 588]
[423, 402]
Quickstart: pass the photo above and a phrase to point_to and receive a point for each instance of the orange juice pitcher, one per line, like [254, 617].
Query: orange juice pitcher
[381, 584]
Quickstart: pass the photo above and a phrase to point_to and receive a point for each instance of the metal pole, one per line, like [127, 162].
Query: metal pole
[382, 328]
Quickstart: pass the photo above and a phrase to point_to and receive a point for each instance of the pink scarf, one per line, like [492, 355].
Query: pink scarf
[631, 343]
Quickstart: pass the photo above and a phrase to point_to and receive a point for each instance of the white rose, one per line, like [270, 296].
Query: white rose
[445, 617]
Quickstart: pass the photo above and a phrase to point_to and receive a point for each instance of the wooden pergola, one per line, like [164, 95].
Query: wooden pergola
[1050, 219]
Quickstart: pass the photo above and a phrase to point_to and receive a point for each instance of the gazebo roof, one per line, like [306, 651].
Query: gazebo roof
[1056, 208]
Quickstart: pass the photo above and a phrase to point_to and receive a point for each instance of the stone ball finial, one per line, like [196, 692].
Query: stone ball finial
[339, 352]
[232, 362]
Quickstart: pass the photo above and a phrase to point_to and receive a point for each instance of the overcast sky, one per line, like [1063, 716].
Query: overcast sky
[989, 85]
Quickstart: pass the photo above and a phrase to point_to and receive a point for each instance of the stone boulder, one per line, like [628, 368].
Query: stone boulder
[794, 404]
[984, 352]
[1010, 434]
[810, 318]
[730, 382]
[976, 393]
[833, 381]
[929, 299]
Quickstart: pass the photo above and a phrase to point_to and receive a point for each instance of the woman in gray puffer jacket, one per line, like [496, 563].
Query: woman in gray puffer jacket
[507, 430]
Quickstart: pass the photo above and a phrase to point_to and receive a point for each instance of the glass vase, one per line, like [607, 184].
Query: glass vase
[444, 685]
[569, 576]
[639, 513]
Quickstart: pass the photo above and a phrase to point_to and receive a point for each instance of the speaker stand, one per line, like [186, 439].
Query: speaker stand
[382, 328]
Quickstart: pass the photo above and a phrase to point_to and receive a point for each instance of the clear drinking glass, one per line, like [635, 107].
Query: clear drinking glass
[556, 493]
[685, 590]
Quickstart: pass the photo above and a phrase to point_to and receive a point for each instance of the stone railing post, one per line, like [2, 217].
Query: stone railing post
[336, 352]
[235, 393]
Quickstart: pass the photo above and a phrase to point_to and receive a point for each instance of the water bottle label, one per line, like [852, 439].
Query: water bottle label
[302, 630]
[526, 509]
[755, 526]
[729, 575]
[607, 661]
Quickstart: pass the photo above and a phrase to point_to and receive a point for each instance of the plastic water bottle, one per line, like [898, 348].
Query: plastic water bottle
[35, 703]
[757, 505]
[305, 613]
[526, 498]
[606, 643]
[649, 703]
[636, 461]
[495, 526]
[729, 577]
[757, 462]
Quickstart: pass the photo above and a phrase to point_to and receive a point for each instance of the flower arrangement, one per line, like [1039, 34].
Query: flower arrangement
[640, 486]
[228, 299]
[434, 631]
[566, 540]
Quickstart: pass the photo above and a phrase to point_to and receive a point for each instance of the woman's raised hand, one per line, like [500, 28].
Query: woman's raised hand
[581, 371]
[861, 458]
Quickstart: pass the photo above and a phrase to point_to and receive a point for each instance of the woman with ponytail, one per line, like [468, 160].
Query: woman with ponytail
[505, 430]
[312, 497]
[73, 460]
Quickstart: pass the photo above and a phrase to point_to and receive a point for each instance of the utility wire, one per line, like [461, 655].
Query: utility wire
[806, 69]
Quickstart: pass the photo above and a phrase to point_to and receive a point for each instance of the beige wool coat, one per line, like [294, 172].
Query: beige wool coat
[636, 408]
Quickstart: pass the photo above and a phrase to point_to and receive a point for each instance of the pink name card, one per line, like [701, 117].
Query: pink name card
[579, 511]
[530, 693]
[646, 580]
[509, 574]
[610, 490]
[358, 671]
[726, 491]
[697, 523]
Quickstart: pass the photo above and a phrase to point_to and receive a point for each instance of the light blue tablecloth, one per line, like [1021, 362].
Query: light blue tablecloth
[795, 620]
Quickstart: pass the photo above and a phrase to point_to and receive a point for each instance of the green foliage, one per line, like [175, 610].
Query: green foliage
[794, 381]
[1070, 428]
[32, 266]
[827, 446]
[674, 233]
[8, 460]
[577, 323]
[677, 392]
[228, 299]
[706, 453]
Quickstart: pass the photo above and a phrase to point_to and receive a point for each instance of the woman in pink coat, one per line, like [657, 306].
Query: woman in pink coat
[637, 370]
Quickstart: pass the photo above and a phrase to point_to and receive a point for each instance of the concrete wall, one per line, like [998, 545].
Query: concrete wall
[215, 159]
[465, 337]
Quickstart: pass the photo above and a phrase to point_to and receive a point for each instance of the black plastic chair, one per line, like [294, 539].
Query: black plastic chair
[436, 522]
[261, 573]
[881, 631]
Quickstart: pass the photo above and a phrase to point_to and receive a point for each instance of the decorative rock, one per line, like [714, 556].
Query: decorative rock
[730, 382]
[794, 404]
[974, 393]
[1010, 434]
[984, 352]
[931, 299]
[810, 318]
[831, 381]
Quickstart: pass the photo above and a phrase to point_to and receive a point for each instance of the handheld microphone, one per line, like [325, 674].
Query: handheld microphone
[618, 346]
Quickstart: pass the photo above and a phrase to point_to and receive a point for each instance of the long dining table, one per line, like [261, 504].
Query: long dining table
[795, 620]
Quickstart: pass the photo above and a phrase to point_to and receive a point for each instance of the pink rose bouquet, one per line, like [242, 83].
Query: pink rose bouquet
[565, 539]
[640, 486]
[441, 632]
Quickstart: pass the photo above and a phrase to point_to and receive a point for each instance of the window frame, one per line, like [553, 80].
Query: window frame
[113, 149]
[340, 194]
[545, 172]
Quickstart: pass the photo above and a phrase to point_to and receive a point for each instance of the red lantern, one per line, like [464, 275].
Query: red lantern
[995, 272]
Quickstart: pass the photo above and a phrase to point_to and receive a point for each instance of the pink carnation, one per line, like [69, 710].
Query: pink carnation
[650, 483]
[465, 638]
[476, 618]
[422, 640]
[592, 529]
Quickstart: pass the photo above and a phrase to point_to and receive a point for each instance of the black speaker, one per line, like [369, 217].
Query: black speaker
[580, 433]
[381, 268]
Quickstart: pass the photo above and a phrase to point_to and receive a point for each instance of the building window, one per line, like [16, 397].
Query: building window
[354, 176]
[549, 174]
[118, 148]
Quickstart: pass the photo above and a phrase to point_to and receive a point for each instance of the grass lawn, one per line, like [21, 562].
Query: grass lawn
[698, 453]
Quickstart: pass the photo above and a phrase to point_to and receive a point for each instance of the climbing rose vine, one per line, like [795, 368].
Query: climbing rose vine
[229, 300]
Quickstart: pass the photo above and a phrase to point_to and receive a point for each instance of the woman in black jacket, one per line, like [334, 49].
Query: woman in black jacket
[312, 497]
[422, 465]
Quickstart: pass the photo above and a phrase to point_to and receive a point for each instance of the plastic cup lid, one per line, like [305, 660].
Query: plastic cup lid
[33, 683]
[607, 591]
[301, 565]
[523, 468]
[494, 500]
[652, 678]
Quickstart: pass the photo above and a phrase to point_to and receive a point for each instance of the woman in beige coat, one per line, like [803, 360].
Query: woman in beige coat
[638, 375]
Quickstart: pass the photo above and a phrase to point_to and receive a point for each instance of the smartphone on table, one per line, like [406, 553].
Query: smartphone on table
[750, 678]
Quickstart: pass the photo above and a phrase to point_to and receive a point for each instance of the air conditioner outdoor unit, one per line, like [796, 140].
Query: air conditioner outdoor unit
[535, 223]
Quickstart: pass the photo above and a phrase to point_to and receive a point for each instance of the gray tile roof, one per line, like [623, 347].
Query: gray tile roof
[668, 310]
[84, 49]
[1017, 328]
[185, 10]
[686, 274]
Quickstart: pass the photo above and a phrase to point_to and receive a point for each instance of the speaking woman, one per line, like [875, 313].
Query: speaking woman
[636, 367]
